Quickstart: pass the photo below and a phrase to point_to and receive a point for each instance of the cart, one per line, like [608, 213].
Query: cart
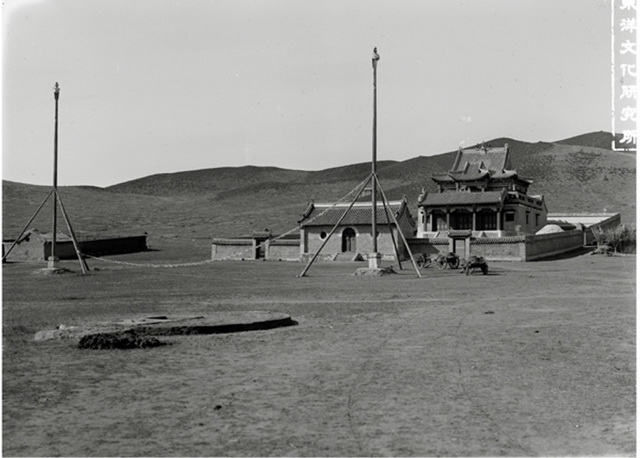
[475, 263]
[450, 260]
[423, 260]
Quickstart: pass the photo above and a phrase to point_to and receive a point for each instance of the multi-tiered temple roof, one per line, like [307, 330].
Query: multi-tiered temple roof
[482, 168]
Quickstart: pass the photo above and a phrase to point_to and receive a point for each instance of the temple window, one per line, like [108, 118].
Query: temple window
[509, 217]
[486, 220]
[461, 220]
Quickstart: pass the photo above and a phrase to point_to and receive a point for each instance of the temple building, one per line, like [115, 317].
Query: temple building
[352, 239]
[481, 194]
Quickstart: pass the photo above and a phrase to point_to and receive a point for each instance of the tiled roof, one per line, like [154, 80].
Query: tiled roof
[359, 214]
[476, 175]
[493, 159]
[459, 233]
[463, 198]
[471, 174]
[505, 174]
[479, 162]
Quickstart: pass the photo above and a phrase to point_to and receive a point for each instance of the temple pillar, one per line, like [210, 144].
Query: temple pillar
[473, 220]
[499, 219]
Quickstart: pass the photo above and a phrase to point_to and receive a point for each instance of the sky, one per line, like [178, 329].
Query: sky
[160, 86]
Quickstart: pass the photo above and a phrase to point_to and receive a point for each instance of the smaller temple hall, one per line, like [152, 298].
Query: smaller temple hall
[481, 193]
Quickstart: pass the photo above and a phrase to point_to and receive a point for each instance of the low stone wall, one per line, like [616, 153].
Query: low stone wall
[233, 249]
[491, 248]
[545, 245]
[512, 248]
[244, 249]
[283, 250]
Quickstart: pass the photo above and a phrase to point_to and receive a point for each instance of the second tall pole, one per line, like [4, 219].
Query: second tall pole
[53, 261]
[374, 257]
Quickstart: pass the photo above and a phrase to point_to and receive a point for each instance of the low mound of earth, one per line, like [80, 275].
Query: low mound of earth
[162, 325]
[122, 340]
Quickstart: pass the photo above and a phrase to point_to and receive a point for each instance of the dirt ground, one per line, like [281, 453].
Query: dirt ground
[534, 359]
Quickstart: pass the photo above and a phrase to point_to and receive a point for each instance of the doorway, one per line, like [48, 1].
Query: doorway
[348, 240]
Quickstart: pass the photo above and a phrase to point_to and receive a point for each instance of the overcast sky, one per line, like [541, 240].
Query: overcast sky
[153, 86]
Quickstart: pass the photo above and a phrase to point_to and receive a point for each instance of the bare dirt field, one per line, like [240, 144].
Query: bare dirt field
[534, 359]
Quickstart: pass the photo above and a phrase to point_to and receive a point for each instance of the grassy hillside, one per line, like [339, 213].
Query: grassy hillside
[206, 181]
[194, 206]
[600, 139]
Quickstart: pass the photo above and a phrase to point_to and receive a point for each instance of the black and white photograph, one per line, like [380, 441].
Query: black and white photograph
[319, 228]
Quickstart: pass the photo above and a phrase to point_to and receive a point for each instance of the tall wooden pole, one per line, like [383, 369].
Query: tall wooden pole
[52, 257]
[374, 191]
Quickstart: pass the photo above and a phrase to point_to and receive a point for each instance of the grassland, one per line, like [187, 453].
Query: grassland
[535, 359]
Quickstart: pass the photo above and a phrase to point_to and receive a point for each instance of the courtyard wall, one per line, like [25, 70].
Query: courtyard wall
[512, 248]
[283, 250]
[545, 245]
[233, 249]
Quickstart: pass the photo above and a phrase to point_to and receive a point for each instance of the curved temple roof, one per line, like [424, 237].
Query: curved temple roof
[359, 214]
[484, 158]
[464, 198]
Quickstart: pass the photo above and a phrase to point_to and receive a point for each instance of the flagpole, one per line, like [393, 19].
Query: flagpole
[53, 261]
[373, 260]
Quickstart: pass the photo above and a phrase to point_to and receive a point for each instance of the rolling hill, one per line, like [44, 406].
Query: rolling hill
[576, 174]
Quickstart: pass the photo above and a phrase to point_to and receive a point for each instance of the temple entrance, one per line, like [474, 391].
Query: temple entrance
[348, 240]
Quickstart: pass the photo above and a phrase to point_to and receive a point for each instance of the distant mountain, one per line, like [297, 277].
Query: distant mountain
[576, 174]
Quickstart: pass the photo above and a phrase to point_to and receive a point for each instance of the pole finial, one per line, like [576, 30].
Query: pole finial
[375, 58]
[56, 91]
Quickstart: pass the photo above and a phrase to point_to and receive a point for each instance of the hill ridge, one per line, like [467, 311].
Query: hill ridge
[152, 184]
[572, 176]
